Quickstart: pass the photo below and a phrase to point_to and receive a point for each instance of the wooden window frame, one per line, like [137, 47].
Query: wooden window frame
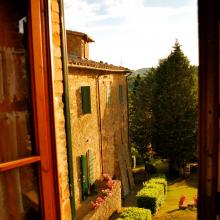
[44, 117]
[209, 152]
[42, 96]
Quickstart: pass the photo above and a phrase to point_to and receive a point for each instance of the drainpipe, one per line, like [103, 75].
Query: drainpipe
[99, 121]
[129, 146]
[67, 107]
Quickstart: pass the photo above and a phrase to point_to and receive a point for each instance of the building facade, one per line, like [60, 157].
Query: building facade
[34, 175]
[99, 117]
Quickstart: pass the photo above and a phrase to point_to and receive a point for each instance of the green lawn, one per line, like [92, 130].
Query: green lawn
[170, 209]
[176, 188]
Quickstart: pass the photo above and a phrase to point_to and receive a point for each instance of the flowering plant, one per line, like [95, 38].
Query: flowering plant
[105, 191]
[182, 202]
[195, 201]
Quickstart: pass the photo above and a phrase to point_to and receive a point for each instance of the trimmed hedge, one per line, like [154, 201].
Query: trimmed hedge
[152, 195]
[134, 213]
[154, 185]
[149, 198]
[160, 180]
[159, 175]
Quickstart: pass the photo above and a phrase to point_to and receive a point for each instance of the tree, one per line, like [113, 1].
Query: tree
[174, 107]
[140, 113]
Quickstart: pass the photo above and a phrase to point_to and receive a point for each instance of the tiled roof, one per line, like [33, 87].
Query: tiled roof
[90, 64]
[82, 35]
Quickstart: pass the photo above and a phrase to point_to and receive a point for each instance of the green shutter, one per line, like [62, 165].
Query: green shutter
[120, 92]
[86, 99]
[91, 167]
[84, 176]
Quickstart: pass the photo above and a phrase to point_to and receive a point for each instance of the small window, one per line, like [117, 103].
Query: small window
[108, 95]
[86, 99]
[120, 93]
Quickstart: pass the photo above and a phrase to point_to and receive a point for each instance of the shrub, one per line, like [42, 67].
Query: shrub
[150, 168]
[160, 180]
[152, 195]
[133, 213]
[159, 175]
[149, 198]
[158, 187]
[155, 185]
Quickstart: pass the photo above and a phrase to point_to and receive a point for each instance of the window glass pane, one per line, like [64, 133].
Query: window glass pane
[19, 194]
[15, 93]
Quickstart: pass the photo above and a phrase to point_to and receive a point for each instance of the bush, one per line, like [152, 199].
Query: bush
[159, 175]
[149, 198]
[158, 187]
[150, 168]
[134, 213]
[160, 179]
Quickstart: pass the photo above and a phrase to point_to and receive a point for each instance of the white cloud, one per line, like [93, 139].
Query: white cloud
[139, 35]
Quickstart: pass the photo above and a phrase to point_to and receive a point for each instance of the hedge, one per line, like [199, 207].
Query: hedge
[149, 198]
[152, 195]
[159, 175]
[134, 213]
[160, 180]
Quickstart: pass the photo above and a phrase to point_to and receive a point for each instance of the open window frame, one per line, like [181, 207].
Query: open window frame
[43, 118]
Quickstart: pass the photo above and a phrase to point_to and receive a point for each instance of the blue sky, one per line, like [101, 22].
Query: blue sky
[135, 33]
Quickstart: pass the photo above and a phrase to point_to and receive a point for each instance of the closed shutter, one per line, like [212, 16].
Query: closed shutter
[86, 99]
[108, 95]
[84, 176]
[120, 93]
[90, 158]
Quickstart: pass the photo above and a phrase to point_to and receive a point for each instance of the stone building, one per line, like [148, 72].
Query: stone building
[36, 172]
[36, 175]
[99, 118]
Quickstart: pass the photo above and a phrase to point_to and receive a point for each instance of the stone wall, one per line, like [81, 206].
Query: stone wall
[75, 45]
[114, 130]
[59, 114]
[105, 129]
[110, 205]
[85, 127]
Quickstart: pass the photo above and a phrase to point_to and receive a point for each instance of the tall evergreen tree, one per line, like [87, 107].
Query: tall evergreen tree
[174, 107]
[140, 113]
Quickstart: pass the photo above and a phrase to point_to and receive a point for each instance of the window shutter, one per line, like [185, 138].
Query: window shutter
[120, 93]
[90, 161]
[86, 99]
[108, 95]
[84, 176]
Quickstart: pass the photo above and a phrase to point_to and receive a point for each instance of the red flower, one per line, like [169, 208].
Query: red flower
[195, 200]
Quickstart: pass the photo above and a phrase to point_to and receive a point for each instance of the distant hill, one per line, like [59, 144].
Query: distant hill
[140, 71]
[134, 74]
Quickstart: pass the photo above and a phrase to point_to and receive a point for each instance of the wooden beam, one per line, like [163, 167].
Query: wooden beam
[18, 163]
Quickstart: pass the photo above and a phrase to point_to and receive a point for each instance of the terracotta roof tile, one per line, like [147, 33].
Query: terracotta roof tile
[74, 62]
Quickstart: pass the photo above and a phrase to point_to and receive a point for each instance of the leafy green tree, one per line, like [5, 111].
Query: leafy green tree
[140, 113]
[174, 107]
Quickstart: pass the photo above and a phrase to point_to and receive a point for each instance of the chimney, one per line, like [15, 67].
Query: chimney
[78, 44]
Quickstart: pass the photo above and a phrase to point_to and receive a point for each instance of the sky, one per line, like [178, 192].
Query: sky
[135, 33]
